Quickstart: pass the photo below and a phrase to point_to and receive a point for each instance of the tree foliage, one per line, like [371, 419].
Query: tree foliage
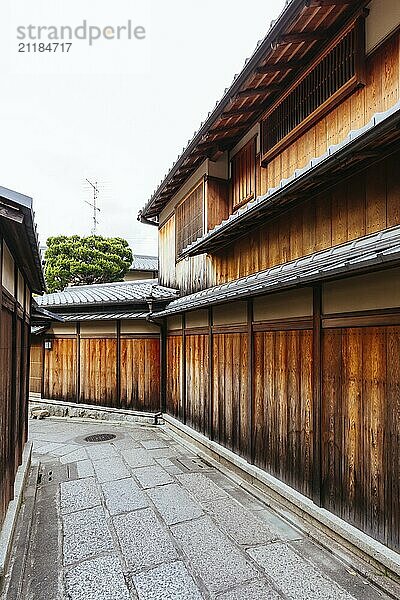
[74, 260]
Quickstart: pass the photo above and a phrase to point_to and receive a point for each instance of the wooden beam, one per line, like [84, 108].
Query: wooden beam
[317, 395]
[225, 128]
[244, 110]
[322, 3]
[10, 213]
[280, 66]
[299, 37]
[258, 91]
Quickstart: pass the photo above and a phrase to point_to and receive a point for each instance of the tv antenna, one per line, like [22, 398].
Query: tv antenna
[93, 204]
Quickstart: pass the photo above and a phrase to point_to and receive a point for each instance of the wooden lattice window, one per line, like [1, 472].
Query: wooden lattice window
[189, 218]
[243, 174]
[333, 76]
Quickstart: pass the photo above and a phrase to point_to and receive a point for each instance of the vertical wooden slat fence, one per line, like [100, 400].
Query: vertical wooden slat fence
[357, 409]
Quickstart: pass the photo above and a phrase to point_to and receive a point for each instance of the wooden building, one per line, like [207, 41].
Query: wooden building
[20, 275]
[280, 226]
[104, 352]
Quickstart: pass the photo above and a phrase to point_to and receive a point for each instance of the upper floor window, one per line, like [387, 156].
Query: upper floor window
[189, 218]
[334, 75]
[243, 173]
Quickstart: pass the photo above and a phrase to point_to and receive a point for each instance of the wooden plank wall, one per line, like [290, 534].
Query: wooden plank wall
[283, 406]
[14, 374]
[36, 370]
[324, 422]
[140, 374]
[114, 371]
[365, 204]
[361, 428]
[59, 377]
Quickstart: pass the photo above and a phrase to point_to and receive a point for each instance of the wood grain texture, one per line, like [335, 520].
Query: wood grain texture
[361, 467]
[60, 364]
[35, 379]
[174, 376]
[140, 374]
[196, 355]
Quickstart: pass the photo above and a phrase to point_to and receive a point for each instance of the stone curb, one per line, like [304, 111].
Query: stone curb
[10, 521]
[352, 538]
[57, 408]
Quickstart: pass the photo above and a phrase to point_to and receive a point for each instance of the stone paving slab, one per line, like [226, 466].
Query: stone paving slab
[85, 534]
[144, 542]
[256, 590]
[202, 487]
[99, 578]
[150, 477]
[168, 582]
[140, 527]
[78, 495]
[123, 496]
[85, 468]
[175, 504]
[110, 469]
[239, 523]
[75, 456]
[138, 457]
[295, 577]
[217, 560]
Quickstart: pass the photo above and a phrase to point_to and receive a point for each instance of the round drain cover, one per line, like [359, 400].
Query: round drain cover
[100, 437]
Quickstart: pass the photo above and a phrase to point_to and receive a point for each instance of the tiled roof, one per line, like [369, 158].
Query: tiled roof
[374, 249]
[104, 316]
[124, 292]
[286, 186]
[142, 262]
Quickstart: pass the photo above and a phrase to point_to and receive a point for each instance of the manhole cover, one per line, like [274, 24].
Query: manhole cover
[100, 437]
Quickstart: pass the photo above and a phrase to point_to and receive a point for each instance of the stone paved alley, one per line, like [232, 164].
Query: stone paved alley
[141, 517]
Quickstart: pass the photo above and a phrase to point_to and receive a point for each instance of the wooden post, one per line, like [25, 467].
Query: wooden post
[317, 398]
[210, 375]
[250, 361]
[184, 367]
[78, 362]
[118, 366]
[163, 366]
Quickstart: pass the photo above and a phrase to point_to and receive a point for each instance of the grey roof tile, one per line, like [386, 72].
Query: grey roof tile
[144, 262]
[109, 293]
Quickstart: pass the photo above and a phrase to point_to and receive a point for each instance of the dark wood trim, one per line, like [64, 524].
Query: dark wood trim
[7, 300]
[317, 396]
[184, 395]
[352, 320]
[118, 365]
[43, 368]
[78, 362]
[97, 336]
[283, 324]
[242, 328]
[196, 331]
[139, 336]
[250, 354]
[210, 374]
[174, 333]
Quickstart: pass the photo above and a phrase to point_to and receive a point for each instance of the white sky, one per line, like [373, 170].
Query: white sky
[119, 111]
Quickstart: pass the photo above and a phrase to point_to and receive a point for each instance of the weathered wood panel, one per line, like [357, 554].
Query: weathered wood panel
[217, 201]
[231, 391]
[360, 446]
[174, 376]
[365, 204]
[60, 370]
[283, 406]
[7, 412]
[197, 372]
[36, 369]
[98, 371]
[167, 253]
[140, 374]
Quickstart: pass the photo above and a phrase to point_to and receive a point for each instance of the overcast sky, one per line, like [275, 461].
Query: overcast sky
[118, 111]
